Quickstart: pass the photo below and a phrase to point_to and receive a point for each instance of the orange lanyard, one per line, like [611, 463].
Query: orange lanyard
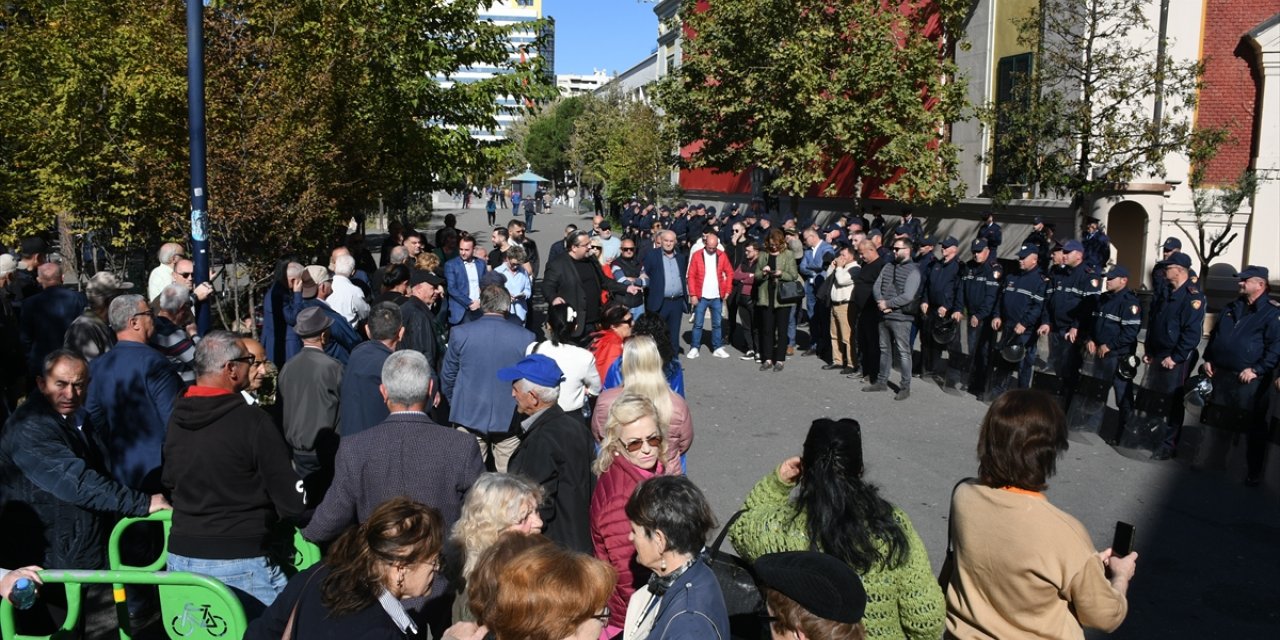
[1024, 492]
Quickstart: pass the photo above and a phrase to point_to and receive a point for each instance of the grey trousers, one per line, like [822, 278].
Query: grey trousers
[895, 342]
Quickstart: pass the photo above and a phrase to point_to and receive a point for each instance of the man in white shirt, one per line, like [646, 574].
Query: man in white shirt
[162, 276]
[347, 299]
[709, 281]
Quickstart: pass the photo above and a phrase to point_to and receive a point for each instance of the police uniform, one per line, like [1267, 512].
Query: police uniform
[1038, 238]
[941, 292]
[1174, 332]
[1097, 249]
[913, 229]
[993, 236]
[1247, 336]
[1117, 319]
[1071, 295]
[977, 295]
[1022, 303]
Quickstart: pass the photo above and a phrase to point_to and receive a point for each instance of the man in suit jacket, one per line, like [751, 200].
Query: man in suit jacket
[462, 275]
[556, 452]
[360, 405]
[47, 315]
[309, 393]
[668, 292]
[405, 455]
[480, 403]
[575, 278]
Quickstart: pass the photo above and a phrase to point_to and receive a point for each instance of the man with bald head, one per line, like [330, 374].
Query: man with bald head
[47, 315]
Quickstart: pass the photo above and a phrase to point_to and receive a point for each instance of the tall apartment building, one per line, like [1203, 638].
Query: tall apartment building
[576, 84]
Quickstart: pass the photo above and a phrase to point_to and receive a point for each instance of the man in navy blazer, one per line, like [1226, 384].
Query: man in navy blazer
[480, 403]
[462, 282]
[668, 292]
[47, 315]
[405, 455]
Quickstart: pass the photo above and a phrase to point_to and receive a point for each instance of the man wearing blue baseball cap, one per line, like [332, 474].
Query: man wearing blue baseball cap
[555, 451]
[1073, 292]
[1172, 338]
[1241, 357]
[1113, 336]
[1021, 305]
[976, 298]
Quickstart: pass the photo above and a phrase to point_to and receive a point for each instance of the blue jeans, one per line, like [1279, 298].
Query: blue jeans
[791, 325]
[703, 304]
[250, 578]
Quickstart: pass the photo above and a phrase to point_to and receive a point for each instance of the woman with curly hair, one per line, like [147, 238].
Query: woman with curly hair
[838, 513]
[358, 590]
[496, 503]
[630, 453]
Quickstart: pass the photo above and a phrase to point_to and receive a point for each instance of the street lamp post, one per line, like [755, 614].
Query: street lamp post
[195, 124]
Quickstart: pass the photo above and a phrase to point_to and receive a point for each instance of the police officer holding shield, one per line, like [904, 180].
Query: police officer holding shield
[1072, 294]
[1241, 358]
[1113, 336]
[1021, 303]
[976, 297]
[1172, 338]
[941, 291]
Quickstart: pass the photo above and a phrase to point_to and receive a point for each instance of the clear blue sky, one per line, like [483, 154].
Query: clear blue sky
[601, 34]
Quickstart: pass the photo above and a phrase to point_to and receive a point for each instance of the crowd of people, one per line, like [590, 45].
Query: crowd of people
[470, 477]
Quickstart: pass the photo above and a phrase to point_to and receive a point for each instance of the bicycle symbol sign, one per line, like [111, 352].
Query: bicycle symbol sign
[196, 617]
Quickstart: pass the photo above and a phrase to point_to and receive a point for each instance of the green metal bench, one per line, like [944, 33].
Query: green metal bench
[193, 607]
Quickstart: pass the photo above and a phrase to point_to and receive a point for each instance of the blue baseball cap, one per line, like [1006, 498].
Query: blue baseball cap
[949, 241]
[1171, 243]
[1117, 271]
[535, 368]
[1179, 260]
[978, 245]
[901, 230]
[1072, 245]
[1028, 250]
[1253, 271]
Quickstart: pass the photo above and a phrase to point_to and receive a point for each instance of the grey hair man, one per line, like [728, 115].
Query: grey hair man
[346, 298]
[227, 470]
[175, 331]
[555, 451]
[168, 256]
[405, 455]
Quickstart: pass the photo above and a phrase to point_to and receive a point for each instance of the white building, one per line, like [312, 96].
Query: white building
[571, 84]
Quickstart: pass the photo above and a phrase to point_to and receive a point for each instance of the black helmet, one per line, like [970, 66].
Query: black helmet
[1127, 368]
[944, 330]
[1201, 388]
[1013, 352]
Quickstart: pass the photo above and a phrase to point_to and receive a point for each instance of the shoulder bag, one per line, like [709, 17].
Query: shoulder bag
[949, 564]
[738, 584]
[790, 291]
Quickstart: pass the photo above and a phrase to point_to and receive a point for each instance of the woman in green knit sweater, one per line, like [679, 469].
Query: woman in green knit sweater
[838, 513]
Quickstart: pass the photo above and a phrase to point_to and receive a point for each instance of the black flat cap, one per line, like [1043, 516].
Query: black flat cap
[822, 584]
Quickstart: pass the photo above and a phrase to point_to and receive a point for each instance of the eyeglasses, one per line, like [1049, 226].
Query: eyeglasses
[638, 443]
[184, 275]
[249, 360]
[144, 314]
[628, 249]
[899, 248]
[604, 615]
[628, 319]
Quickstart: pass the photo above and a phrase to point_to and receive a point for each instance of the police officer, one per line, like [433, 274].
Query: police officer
[1073, 291]
[911, 226]
[976, 298]
[1021, 304]
[942, 284]
[1113, 337]
[1040, 238]
[1159, 283]
[1172, 339]
[1241, 357]
[991, 233]
[1097, 246]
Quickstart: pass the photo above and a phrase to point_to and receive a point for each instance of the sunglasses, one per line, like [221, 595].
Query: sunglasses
[638, 443]
[628, 249]
[185, 275]
[604, 615]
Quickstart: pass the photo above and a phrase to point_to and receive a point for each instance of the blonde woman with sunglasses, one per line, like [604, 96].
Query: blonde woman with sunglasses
[630, 453]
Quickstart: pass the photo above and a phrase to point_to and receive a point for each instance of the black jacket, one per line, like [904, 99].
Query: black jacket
[314, 621]
[58, 500]
[562, 281]
[420, 331]
[864, 284]
[556, 452]
[228, 473]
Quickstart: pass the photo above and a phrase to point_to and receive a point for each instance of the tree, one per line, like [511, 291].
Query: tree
[549, 131]
[1097, 106]
[1207, 204]
[795, 86]
[624, 146]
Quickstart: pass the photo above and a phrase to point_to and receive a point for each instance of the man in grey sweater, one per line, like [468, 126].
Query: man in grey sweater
[896, 294]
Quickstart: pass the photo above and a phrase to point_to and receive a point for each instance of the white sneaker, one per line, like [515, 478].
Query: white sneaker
[720, 353]
[693, 354]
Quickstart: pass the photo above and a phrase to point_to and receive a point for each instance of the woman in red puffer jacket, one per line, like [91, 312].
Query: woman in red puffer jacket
[630, 453]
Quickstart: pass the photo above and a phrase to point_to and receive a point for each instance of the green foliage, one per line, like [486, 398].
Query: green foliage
[1082, 120]
[623, 145]
[315, 110]
[793, 86]
[546, 142]
[1208, 204]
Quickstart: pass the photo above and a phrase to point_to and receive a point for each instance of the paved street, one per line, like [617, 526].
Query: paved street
[1209, 547]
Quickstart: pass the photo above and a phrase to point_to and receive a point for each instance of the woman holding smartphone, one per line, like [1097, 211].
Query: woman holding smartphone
[778, 265]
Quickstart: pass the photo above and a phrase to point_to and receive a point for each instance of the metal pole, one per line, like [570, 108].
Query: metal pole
[195, 124]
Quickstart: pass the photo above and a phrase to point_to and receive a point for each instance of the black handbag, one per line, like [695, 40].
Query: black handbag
[738, 584]
[790, 291]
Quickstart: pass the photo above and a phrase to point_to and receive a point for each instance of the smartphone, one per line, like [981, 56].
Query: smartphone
[1122, 544]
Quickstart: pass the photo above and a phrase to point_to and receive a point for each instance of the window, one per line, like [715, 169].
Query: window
[1011, 74]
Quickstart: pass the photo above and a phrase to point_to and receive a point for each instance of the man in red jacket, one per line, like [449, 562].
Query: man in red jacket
[710, 278]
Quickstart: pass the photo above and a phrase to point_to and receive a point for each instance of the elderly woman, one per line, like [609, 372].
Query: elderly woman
[549, 593]
[837, 512]
[642, 366]
[518, 282]
[670, 520]
[496, 503]
[357, 591]
[1022, 567]
[630, 453]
